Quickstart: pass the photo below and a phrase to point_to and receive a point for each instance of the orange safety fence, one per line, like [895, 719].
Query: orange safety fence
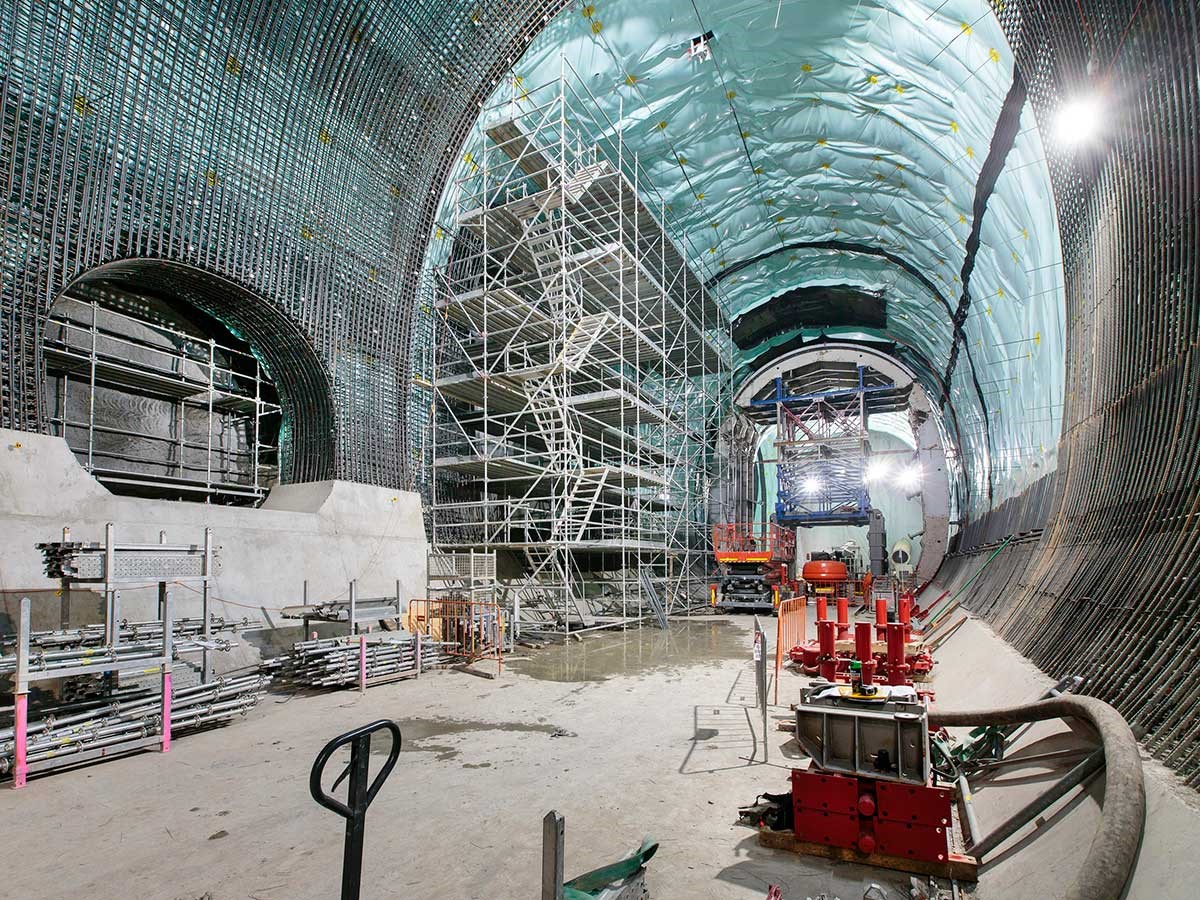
[472, 629]
[790, 629]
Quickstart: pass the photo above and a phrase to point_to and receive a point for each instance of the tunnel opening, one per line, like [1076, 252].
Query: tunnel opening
[156, 397]
[849, 453]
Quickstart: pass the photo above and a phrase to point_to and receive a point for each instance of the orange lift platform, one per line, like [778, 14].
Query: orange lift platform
[754, 563]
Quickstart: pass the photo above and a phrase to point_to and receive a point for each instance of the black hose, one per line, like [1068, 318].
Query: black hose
[1114, 849]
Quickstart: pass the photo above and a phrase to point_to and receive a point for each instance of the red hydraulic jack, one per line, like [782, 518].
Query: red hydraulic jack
[899, 661]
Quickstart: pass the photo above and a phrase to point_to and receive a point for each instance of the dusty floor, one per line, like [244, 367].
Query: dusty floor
[627, 734]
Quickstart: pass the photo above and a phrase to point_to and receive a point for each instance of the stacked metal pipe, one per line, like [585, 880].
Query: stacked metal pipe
[74, 647]
[132, 632]
[334, 662]
[129, 715]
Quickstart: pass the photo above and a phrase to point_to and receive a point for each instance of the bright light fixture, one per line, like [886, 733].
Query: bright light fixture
[811, 485]
[877, 470]
[1078, 120]
[909, 479]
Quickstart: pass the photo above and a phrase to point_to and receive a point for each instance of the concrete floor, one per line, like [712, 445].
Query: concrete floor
[627, 734]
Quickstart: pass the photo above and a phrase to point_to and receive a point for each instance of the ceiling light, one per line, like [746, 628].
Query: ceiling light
[909, 479]
[1078, 120]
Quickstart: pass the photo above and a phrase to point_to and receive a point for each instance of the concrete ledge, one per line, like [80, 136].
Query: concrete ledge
[327, 532]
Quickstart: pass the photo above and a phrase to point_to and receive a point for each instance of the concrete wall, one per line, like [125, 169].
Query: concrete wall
[327, 532]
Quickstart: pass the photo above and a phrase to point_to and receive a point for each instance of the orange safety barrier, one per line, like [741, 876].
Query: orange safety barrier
[753, 542]
[473, 629]
[790, 629]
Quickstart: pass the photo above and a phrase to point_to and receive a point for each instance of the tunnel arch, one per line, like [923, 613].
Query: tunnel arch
[308, 424]
[923, 415]
[1130, 189]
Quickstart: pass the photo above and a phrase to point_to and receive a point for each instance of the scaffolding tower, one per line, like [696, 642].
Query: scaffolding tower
[580, 375]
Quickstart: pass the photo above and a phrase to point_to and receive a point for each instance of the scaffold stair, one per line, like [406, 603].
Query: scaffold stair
[581, 340]
[577, 183]
[579, 505]
[559, 595]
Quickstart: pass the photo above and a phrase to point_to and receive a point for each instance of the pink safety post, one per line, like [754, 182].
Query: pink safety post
[21, 699]
[164, 596]
[166, 712]
[362, 663]
[21, 767]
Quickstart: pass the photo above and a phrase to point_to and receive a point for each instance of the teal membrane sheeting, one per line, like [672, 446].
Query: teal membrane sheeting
[865, 123]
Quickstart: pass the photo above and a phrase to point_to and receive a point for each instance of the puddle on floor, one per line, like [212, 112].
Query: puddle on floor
[604, 654]
[419, 734]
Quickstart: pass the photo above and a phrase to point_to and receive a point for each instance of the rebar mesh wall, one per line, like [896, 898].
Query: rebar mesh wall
[296, 149]
[1108, 590]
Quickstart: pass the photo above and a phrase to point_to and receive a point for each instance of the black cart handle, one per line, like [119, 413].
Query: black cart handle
[361, 736]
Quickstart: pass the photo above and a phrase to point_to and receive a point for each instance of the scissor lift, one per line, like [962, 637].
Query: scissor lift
[754, 563]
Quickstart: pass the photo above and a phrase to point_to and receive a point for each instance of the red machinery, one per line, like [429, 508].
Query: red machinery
[889, 647]
[825, 576]
[871, 788]
[754, 561]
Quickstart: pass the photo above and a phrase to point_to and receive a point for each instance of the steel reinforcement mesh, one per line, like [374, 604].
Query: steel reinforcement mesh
[297, 150]
[1099, 578]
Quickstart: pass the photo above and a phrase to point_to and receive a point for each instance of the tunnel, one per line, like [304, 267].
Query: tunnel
[979, 218]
